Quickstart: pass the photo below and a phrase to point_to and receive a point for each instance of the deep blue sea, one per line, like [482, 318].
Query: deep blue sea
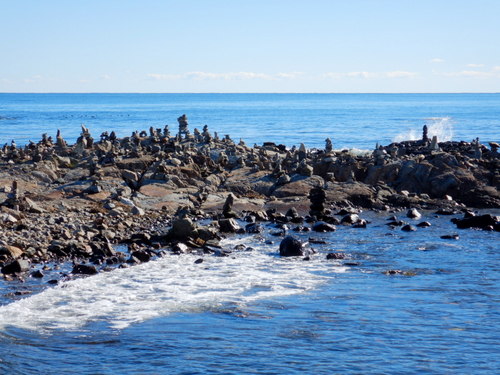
[253, 312]
[350, 120]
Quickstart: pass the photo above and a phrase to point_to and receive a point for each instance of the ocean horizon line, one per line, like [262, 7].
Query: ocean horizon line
[252, 93]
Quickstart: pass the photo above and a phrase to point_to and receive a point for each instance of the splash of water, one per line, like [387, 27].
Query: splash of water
[442, 127]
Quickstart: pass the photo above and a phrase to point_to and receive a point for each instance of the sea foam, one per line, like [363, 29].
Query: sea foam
[168, 285]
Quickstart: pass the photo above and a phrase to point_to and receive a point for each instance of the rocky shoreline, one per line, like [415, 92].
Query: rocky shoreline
[156, 192]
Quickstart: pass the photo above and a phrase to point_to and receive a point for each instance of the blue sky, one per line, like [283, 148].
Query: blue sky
[250, 46]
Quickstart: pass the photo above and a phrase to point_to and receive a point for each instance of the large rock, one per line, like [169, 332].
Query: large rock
[321, 226]
[291, 247]
[299, 186]
[483, 222]
[84, 269]
[350, 219]
[229, 225]
[11, 251]
[413, 214]
[17, 266]
[182, 228]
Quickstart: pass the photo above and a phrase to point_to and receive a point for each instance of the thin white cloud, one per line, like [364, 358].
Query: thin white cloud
[469, 73]
[436, 60]
[105, 77]
[365, 75]
[291, 75]
[496, 68]
[230, 76]
[333, 75]
[475, 65]
[370, 75]
[227, 76]
[400, 74]
[33, 79]
[163, 77]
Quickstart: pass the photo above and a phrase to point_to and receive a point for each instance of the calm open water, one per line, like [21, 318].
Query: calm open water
[350, 120]
[254, 312]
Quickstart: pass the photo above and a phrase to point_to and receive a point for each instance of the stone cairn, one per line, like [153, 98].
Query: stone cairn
[328, 145]
[227, 210]
[183, 126]
[425, 137]
[317, 197]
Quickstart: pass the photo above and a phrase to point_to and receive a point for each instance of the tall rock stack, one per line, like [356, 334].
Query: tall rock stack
[317, 197]
[183, 126]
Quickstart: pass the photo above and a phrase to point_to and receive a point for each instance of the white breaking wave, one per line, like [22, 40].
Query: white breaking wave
[442, 127]
[168, 285]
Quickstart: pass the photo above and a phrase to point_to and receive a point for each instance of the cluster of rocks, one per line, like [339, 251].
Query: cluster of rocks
[150, 190]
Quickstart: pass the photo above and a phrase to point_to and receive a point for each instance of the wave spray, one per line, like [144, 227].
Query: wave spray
[442, 127]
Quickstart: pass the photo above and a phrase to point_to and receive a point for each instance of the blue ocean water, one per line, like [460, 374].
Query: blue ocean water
[253, 312]
[350, 120]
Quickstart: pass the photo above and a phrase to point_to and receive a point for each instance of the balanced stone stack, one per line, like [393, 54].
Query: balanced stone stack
[317, 197]
[183, 126]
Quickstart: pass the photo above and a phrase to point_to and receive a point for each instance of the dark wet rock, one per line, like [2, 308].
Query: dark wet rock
[142, 255]
[350, 219]
[261, 216]
[446, 211]
[37, 274]
[301, 228]
[180, 248]
[229, 225]
[480, 222]
[254, 228]
[468, 213]
[450, 237]
[17, 266]
[413, 214]
[182, 228]
[424, 224]
[84, 269]
[396, 223]
[362, 223]
[292, 213]
[399, 272]
[321, 226]
[291, 246]
[331, 220]
[408, 228]
[198, 261]
[347, 211]
[316, 241]
[351, 264]
[335, 256]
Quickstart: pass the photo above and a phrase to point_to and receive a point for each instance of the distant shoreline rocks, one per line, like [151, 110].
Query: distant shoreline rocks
[151, 191]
